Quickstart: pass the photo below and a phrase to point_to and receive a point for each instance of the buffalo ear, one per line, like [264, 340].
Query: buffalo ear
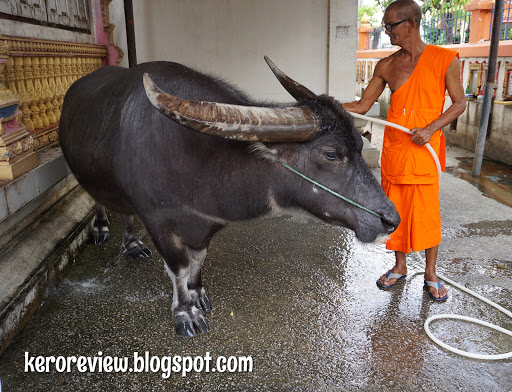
[261, 150]
[296, 90]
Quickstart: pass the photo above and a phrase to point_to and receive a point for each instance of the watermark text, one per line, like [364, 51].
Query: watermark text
[139, 363]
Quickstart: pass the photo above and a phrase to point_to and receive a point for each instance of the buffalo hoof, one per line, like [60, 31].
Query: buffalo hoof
[185, 329]
[99, 236]
[136, 249]
[201, 300]
[188, 322]
[206, 304]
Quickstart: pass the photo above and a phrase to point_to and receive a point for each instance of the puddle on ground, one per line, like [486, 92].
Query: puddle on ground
[79, 288]
[494, 268]
[495, 179]
[479, 229]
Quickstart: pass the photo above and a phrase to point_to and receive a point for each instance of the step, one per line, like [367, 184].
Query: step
[38, 257]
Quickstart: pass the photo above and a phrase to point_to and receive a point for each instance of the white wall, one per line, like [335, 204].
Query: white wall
[230, 37]
[314, 41]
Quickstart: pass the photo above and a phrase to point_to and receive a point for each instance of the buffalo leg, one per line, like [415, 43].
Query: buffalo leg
[185, 314]
[100, 233]
[131, 244]
[195, 284]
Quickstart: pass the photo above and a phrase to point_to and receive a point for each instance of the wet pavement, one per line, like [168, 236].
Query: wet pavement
[495, 179]
[296, 295]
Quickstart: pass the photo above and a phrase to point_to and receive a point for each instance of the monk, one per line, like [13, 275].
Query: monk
[418, 76]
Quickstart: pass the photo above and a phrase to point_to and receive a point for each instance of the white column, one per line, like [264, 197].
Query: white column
[342, 49]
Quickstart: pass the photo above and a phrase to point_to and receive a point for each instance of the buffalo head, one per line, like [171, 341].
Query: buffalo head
[317, 137]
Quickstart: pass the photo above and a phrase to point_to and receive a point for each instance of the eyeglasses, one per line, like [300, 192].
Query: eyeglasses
[389, 27]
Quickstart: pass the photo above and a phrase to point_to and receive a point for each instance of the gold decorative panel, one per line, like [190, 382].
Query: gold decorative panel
[34, 77]
[39, 72]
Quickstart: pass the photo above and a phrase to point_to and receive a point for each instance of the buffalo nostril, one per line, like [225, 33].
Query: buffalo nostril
[389, 227]
[390, 223]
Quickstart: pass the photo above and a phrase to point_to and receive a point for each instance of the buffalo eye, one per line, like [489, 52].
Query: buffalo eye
[332, 155]
[335, 156]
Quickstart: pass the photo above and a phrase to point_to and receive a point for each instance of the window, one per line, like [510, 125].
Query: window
[67, 14]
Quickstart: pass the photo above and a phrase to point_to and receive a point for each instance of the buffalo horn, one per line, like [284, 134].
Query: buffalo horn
[296, 90]
[245, 123]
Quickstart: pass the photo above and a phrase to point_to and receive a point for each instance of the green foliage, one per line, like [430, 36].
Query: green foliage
[445, 26]
[428, 5]
[369, 10]
[506, 33]
[441, 5]
[382, 4]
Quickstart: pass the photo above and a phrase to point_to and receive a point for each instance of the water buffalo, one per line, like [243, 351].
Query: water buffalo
[218, 161]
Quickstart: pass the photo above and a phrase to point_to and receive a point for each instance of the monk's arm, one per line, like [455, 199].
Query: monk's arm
[370, 94]
[422, 136]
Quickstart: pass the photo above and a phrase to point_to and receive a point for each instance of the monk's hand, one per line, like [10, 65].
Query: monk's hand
[421, 136]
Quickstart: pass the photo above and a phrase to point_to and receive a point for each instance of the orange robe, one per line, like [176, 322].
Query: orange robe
[409, 173]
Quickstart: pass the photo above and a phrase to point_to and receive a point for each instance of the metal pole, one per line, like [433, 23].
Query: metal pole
[489, 87]
[130, 33]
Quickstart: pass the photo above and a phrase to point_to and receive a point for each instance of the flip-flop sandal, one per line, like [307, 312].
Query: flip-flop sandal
[436, 286]
[391, 275]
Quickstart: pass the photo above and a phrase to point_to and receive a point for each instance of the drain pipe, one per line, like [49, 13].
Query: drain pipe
[451, 282]
[130, 33]
[489, 88]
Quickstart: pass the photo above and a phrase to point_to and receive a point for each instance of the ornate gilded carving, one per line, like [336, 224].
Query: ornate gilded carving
[60, 91]
[67, 72]
[109, 28]
[47, 91]
[39, 96]
[507, 83]
[120, 52]
[46, 137]
[4, 153]
[32, 93]
[105, 16]
[16, 144]
[14, 46]
[37, 74]
[73, 74]
[10, 78]
[8, 101]
[21, 92]
[16, 149]
[34, 77]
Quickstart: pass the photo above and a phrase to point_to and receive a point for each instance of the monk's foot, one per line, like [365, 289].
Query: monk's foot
[390, 278]
[435, 287]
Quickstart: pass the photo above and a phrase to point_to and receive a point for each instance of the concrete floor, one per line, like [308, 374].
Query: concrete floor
[295, 294]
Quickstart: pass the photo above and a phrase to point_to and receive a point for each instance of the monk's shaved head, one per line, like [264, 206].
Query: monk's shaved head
[406, 9]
